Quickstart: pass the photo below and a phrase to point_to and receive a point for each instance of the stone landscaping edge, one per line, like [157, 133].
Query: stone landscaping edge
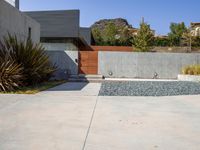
[194, 78]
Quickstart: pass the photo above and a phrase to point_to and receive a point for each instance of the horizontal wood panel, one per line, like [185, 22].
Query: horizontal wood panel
[88, 65]
[83, 57]
[88, 62]
[113, 48]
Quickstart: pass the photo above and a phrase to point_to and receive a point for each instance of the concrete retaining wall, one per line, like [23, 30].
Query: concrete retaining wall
[65, 62]
[16, 22]
[144, 65]
[193, 78]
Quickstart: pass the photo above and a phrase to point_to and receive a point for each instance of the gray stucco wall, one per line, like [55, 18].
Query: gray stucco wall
[144, 65]
[15, 22]
[85, 33]
[65, 62]
[63, 23]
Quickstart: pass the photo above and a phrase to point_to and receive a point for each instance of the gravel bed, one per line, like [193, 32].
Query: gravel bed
[149, 88]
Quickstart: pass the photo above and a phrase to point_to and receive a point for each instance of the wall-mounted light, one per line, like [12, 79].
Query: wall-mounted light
[155, 76]
[110, 73]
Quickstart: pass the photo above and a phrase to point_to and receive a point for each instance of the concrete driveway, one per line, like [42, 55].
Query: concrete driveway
[73, 117]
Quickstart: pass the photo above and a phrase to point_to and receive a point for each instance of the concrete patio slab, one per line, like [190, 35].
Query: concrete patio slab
[45, 122]
[73, 117]
[145, 124]
[7, 100]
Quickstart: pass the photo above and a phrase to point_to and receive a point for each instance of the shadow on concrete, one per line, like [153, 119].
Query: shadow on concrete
[66, 63]
[70, 86]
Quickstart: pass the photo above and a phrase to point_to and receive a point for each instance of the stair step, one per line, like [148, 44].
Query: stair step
[86, 78]
[91, 76]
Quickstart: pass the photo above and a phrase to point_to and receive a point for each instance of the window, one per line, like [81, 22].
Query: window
[29, 33]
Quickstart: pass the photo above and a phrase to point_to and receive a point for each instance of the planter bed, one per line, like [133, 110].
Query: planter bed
[193, 78]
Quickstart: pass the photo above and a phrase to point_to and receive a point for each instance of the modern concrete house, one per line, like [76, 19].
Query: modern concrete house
[17, 23]
[64, 40]
[62, 29]
[58, 30]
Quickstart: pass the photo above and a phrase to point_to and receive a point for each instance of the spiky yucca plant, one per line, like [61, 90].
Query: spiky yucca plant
[10, 76]
[22, 63]
[11, 73]
[32, 57]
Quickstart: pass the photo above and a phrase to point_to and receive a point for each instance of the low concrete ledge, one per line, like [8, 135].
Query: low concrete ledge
[193, 78]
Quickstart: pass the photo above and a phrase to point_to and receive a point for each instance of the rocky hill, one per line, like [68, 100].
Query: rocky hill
[113, 32]
[120, 22]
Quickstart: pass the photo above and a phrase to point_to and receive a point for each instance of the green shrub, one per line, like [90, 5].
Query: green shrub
[25, 61]
[191, 70]
[161, 41]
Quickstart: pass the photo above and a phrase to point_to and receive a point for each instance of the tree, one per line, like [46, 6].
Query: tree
[125, 37]
[97, 36]
[176, 33]
[110, 34]
[187, 39]
[196, 41]
[144, 39]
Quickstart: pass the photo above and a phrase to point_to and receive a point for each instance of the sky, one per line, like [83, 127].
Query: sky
[158, 13]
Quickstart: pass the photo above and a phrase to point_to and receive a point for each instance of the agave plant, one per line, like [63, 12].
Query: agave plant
[32, 57]
[10, 76]
[11, 73]
[23, 63]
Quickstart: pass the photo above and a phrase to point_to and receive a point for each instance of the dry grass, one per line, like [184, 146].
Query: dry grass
[191, 70]
[36, 89]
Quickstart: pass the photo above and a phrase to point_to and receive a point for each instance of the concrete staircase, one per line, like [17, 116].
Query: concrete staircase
[86, 78]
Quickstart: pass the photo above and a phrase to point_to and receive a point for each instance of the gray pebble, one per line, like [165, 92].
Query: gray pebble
[149, 88]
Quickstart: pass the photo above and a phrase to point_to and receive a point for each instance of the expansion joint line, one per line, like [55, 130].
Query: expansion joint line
[90, 124]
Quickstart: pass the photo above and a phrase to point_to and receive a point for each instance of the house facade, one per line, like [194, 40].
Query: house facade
[195, 28]
[63, 39]
[17, 23]
[58, 31]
